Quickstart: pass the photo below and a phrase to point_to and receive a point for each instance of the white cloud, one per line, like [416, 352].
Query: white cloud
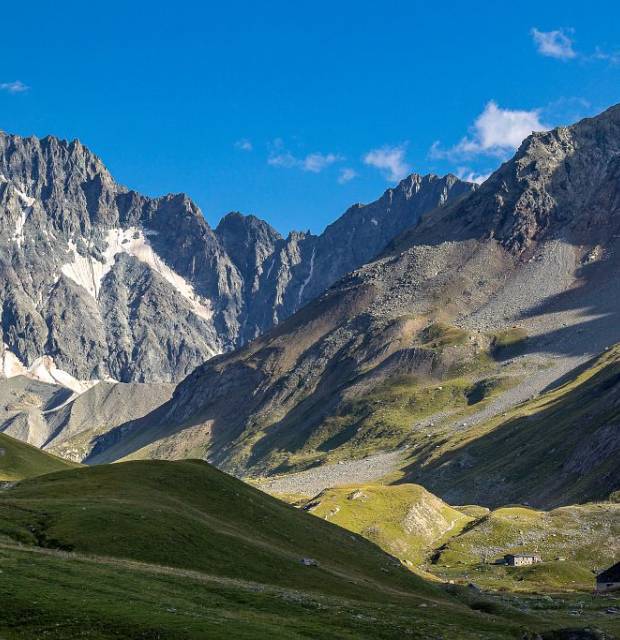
[14, 87]
[346, 175]
[494, 132]
[313, 162]
[244, 144]
[390, 161]
[554, 44]
[465, 173]
[316, 162]
[504, 128]
[283, 159]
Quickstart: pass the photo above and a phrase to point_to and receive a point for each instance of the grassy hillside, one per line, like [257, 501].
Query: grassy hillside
[391, 403]
[574, 543]
[188, 515]
[558, 448]
[178, 550]
[19, 460]
[412, 372]
[405, 520]
[465, 543]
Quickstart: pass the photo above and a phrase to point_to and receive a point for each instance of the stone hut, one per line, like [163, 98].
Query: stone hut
[521, 559]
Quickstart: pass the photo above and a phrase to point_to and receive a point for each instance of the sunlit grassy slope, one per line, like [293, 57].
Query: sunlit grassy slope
[405, 520]
[465, 543]
[160, 549]
[574, 542]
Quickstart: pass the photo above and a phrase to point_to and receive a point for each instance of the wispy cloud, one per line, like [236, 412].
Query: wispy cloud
[244, 145]
[316, 162]
[495, 132]
[554, 44]
[559, 44]
[313, 162]
[346, 175]
[390, 161]
[613, 57]
[283, 159]
[14, 87]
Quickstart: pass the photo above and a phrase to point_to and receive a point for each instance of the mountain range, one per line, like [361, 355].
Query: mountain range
[484, 303]
[102, 283]
[433, 384]
[457, 304]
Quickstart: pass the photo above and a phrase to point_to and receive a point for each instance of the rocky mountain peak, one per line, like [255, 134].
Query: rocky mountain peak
[561, 182]
[111, 284]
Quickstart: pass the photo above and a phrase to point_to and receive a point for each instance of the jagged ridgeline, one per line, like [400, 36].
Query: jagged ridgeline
[99, 282]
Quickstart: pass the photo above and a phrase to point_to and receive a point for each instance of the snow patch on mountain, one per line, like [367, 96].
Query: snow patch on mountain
[18, 234]
[11, 365]
[86, 271]
[26, 200]
[89, 272]
[43, 369]
[26, 203]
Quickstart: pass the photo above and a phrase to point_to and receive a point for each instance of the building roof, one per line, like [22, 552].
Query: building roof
[522, 555]
[610, 575]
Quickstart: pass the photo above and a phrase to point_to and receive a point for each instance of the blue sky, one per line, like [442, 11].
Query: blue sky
[295, 110]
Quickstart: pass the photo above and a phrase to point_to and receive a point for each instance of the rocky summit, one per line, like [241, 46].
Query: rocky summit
[101, 283]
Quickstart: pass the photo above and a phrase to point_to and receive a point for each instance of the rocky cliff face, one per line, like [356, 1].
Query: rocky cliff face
[108, 283]
[100, 282]
[303, 266]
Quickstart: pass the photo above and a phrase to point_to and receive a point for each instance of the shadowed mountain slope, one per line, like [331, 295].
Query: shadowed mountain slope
[557, 448]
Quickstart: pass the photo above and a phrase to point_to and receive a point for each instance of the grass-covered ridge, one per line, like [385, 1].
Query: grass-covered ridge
[19, 460]
[405, 520]
[189, 515]
[574, 543]
[467, 543]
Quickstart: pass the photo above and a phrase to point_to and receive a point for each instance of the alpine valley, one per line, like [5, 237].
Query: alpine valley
[229, 433]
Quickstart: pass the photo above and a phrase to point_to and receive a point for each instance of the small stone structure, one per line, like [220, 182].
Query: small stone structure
[521, 559]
